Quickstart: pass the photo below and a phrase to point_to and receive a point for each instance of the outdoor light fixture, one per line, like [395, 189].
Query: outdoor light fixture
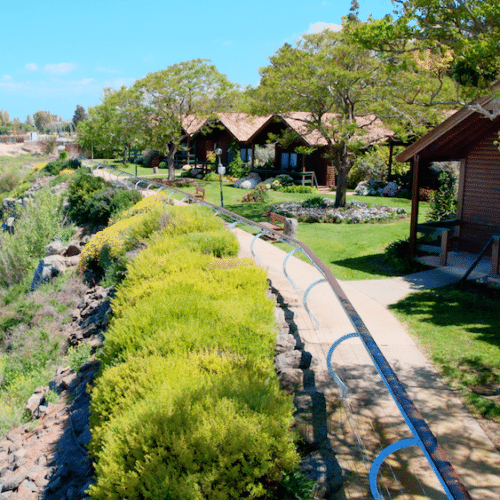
[221, 170]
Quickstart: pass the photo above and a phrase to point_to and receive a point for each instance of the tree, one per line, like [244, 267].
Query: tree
[42, 119]
[29, 121]
[80, 114]
[172, 98]
[468, 31]
[4, 117]
[334, 82]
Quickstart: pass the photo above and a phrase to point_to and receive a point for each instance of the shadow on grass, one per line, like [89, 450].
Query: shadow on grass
[370, 264]
[457, 322]
[469, 305]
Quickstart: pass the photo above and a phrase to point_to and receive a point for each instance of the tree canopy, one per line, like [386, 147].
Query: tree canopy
[467, 31]
[171, 98]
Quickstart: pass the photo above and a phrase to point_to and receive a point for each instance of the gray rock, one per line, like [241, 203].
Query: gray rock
[292, 359]
[55, 248]
[48, 268]
[84, 438]
[13, 482]
[291, 380]
[34, 402]
[290, 227]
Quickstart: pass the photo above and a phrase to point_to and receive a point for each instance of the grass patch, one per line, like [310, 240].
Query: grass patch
[351, 251]
[459, 327]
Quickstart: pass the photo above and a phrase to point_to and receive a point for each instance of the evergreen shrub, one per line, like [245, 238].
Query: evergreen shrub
[209, 426]
[81, 189]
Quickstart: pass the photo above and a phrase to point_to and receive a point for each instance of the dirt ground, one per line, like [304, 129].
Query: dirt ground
[18, 148]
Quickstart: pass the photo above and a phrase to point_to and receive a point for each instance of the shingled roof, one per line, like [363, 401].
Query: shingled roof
[374, 128]
[242, 126]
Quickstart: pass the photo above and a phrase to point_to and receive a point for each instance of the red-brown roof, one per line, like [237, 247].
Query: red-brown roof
[374, 128]
[241, 125]
[449, 139]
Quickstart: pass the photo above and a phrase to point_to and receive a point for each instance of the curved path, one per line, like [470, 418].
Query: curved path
[369, 420]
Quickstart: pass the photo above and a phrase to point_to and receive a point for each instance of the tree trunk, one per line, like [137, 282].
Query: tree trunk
[170, 162]
[340, 196]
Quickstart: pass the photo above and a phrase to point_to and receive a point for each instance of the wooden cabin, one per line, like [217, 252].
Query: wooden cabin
[468, 137]
[250, 132]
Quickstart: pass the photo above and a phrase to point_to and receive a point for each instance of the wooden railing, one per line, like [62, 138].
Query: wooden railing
[445, 231]
[495, 256]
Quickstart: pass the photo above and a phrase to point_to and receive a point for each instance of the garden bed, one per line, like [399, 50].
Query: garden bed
[354, 212]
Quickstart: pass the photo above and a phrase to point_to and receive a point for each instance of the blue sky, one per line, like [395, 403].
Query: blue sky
[57, 54]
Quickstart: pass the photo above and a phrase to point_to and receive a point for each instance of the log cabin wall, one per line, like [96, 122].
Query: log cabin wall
[481, 194]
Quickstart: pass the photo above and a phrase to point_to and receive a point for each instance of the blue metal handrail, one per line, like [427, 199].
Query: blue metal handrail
[422, 435]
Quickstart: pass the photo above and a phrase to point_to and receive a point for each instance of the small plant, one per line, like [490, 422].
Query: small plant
[256, 195]
[63, 155]
[211, 177]
[315, 202]
[443, 202]
[78, 355]
[397, 255]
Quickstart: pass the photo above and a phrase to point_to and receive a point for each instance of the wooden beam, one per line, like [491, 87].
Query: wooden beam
[414, 205]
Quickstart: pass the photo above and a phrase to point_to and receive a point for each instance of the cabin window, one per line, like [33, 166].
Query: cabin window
[288, 161]
[246, 154]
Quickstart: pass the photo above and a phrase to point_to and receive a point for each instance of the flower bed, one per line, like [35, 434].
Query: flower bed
[354, 212]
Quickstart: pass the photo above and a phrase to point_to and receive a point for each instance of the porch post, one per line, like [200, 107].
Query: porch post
[495, 254]
[414, 205]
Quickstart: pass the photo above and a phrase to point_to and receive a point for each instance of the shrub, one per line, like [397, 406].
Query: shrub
[256, 195]
[315, 202]
[207, 426]
[63, 155]
[10, 180]
[397, 255]
[80, 190]
[443, 202]
[36, 225]
[211, 177]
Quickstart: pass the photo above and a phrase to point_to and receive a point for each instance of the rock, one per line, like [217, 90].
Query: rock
[73, 249]
[291, 226]
[48, 268]
[55, 248]
[292, 359]
[8, 225]
[34, 402]
[8, 203]
[291, 380]
[13, 482]
[284, 342]
[72, 261]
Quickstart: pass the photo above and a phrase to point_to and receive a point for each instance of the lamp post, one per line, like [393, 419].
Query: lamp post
[221, 170]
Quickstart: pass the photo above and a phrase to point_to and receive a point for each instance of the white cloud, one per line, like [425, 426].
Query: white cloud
[6, 78]
[60, 69]
[147, 58]
[31, 67]
[321, 26]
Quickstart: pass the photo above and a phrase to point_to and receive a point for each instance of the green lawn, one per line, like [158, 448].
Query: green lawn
[459, 327]
[351, 251]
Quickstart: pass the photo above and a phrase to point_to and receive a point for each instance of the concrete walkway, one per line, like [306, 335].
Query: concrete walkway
[369, 420]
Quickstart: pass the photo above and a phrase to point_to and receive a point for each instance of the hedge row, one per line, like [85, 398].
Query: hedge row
[187, 404]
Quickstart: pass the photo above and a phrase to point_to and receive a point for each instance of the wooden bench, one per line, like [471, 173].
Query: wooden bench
[199, 193]
[275, 220]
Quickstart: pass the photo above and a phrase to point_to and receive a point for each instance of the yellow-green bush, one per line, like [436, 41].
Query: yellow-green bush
[203, 427]
[187, 403]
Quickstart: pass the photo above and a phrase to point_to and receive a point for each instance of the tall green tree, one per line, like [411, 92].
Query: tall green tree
[79, 115]
[323, 75]
[113, 126]
[172, 98]
[467, 31]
